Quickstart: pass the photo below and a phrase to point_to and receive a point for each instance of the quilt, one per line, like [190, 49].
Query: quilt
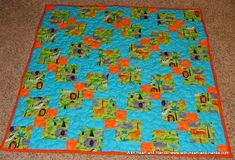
[119, 80]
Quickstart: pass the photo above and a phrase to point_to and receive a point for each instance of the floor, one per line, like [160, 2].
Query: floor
[19, 20]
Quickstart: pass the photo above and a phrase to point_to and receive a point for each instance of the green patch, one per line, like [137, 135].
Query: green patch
[202, 132]
[87, 12]
[128, 130]
[56, 128]
[129, 74]
[34, 79]
[66, 73]
[198, 53]
[103, 36]
[207, 102]
[139, 51]
[70, 99]
[108, 57]
[193, 76]
[140, 13]
[112, 16]
[163, 83]
[172, 110]
[138, 101]
[165, 140]
[192, 15]
[97, 81]
[90, 139]
[104, 108]
[187, 33]
[75, 29]
[157, 38]
[166, 18]
[170, 59]
[59, 16]
[78, 50]
[36, 106]
[48, 56]
[133, 31]
[18, 137]
[46, 35]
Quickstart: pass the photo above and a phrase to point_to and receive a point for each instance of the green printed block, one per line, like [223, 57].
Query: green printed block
[70, 99]
[103, 36]
[90, 139]
[18, 137]
[104, 108]
[34, 80]
[36, 106]
[46, 35]
[112, 16]
[187, 33]
[202, 132]
[140, 13]
[166, 18]
[48, 55]
[59, 16]
[163, 83]
[129, 74]
[198, 53]
[66, 73]
[207, 102]
[128, 130]
[97, 81]
[139, 51]
[133, 31]
[79, 50]
[157, 38]
[87, 12]
[173, 110]
[139, 101]
[192, 15]
[75, 29]
[170, 59]
[165, 141]
[108, 57]
[193, 76]
[56, 128]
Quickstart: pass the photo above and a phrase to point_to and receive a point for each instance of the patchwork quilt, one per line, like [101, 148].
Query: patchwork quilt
[119, 80]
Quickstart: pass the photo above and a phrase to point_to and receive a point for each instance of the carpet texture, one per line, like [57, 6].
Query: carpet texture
[13, 60]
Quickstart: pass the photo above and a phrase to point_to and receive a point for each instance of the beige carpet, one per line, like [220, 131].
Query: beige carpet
[18, 22]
